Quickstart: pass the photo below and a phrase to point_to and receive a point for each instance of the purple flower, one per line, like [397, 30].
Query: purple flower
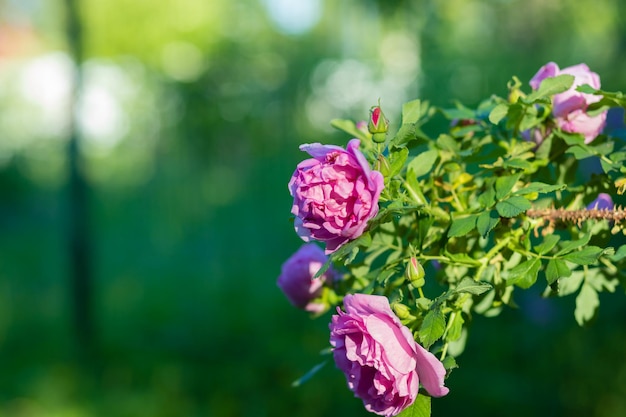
[334, 194]
[603, 202]
[570, 107]
[382, 362]
[296, 277]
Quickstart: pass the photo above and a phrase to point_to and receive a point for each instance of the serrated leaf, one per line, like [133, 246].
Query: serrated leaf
[462, 258]
[486, 222]
[525, 274]
[349, 127]
[539, 187]
[569, 245]
[488, 197]
[570, 138]
[462, 225]
[459, 114]
[549, 242]
[512, 206]
[397, 160]
[505, 184]
[581, 152]
[586, 256]
[449, 362]
[587, 89]
[571, 284]
[419, 408]
[405, 134]
[551, 86]
[470, 286]
[455, 328]
[432, 328]
[411, 111]
[619, 254]
[498, 113]
[587, 303]
[517, 163]
[447, 143]
[422, 164]
[556, 269]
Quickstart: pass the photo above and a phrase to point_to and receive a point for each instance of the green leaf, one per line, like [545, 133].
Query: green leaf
[462, 225]
[505, 184]
[498, 113]
[462, 258]
[619, 254]
[581, 152]
[432, 328]
[397, 160]
[525, 274]
[456, 327]
[486, 222]
[570, 138]
[517, 163]
[586, 256]
[447, 143]
[412, 111]
[470, 286]
[488, 197]
[569, 245]
[419, 408]
[551, 86]
[405, 134]
[556, 269]
[587, 89]
[423, 163]
[462, 113]
[349, 127]
[587, 303]
[539, 187]
[549, 242]
[512, 206]
[571, 284]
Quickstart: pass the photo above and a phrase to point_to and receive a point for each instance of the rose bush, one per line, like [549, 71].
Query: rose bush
[382, 362]
[570, 107]
[471, 214]
[297, 278]
[335, 194]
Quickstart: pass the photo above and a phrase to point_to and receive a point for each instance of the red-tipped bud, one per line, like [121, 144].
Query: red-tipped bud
[415, 273]
[377, 124]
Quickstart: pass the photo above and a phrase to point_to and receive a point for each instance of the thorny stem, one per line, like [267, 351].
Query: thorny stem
[578, 216]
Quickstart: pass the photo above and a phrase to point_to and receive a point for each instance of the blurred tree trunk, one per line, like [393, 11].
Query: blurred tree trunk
[79, 236]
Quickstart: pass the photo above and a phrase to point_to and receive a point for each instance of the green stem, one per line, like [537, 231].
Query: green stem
[416, 195]
[484, 261]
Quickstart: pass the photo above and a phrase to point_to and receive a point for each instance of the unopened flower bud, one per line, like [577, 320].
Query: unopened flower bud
[378, 124]
[415, 273]
[401, 310]
[515, 94]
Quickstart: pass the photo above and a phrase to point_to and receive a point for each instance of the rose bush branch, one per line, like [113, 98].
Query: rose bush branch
[429, 226]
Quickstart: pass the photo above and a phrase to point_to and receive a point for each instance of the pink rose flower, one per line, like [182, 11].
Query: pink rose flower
[334, 194]
[570, 107]
[296, 277]
[382, 362]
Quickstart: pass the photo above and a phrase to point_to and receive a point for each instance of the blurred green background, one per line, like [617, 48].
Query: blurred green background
[145, 218]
